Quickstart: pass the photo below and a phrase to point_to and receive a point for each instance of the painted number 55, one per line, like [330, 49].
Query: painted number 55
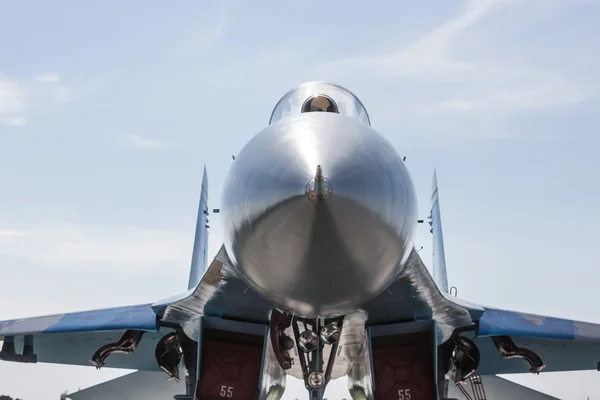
[226, 391]
[404, 394]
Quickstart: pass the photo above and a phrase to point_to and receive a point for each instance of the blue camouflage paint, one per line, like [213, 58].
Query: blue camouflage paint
[140, 317]
[500, 322]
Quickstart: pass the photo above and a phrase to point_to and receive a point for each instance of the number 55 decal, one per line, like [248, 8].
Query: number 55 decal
[404, 394]
[226, 391]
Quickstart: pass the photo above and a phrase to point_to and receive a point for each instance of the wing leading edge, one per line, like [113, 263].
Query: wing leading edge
[72, 338]
[139, 317]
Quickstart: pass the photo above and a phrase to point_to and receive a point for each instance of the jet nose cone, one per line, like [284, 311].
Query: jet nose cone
[319, 213]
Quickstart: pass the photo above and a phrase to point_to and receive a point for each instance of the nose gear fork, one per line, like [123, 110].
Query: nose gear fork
[317, 335]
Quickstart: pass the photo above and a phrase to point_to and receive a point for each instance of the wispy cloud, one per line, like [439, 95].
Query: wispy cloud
[19, 98]
[137, 141]
[7, 233]
[12, 121]
[430, 53]
[12, 102]
[473, 83]
[206, 32]
[48, 77]
[65, 245]
[515, 90]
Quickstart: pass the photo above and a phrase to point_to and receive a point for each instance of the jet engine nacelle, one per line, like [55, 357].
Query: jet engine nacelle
[319, 211]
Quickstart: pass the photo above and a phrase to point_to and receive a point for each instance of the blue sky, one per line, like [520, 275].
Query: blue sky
[109, 111]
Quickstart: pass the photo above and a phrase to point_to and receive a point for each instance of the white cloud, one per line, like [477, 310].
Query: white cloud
[515, 90]
[458, 105]
[19, 98]
[4, 233]
[64, 245]
[473, 84]
[49, 77]
[539, 95]
[137, 141]
[12, 101]
[427, 55]
[204, 33]
[12, 121]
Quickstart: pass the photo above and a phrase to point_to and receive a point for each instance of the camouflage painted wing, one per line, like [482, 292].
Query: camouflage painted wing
[72, 338]
[559, 344]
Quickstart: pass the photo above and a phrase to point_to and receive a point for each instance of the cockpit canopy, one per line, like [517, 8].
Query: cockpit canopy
[320, 97]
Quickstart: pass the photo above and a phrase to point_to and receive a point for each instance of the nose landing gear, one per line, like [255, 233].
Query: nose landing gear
[312, 337]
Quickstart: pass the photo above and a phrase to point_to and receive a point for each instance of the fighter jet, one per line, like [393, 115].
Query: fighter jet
[318, 277]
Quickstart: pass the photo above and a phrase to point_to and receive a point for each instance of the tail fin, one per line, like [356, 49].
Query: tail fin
[199, 255]
[439, 257]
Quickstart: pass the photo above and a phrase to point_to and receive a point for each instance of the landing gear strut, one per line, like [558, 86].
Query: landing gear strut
[312, 337]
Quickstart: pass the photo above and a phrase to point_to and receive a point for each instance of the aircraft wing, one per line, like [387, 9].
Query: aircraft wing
[72, 338]
[109, 319]
[218, 318]
[418, 312]
[509, 341]
[80, 337]
[501, 389]
[560, 344]
[139, 385]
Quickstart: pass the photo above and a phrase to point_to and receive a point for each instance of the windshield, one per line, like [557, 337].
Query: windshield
[320, 96]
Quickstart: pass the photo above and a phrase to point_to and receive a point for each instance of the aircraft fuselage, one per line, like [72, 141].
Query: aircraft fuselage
[319, 210]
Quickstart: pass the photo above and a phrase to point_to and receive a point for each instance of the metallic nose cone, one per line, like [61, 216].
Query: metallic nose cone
[319, 214]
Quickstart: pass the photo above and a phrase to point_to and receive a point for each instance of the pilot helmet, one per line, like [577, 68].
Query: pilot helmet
[319, 103]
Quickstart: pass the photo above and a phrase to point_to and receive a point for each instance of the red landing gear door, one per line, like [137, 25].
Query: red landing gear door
[230, 367]
[403, 367]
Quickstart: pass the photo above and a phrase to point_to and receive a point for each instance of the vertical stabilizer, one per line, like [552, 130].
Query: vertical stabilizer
[199, 255]
[439, 257]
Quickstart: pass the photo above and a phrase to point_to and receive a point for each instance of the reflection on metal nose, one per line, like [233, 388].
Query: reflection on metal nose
[319, 188]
